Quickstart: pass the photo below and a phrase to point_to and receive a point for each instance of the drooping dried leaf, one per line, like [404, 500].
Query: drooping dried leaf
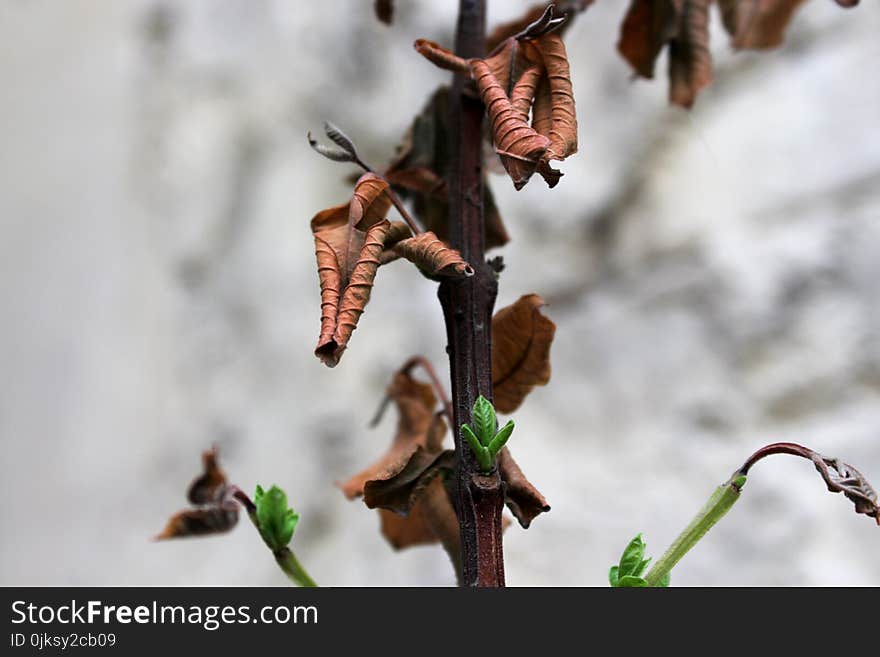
[520, 147]
[399, 490]
[392, 481]
[348, 243]
[843, 478]
[210, 486]
[384, 10]
[506, 30]
[757, 24]
[525, 89]
[398, 231]
[521, 339]
[431, 519]
[690, 63]
[563, 126]
[647, 27]
[214, 519]
[440, 56]
[521, 497]
[433, 257]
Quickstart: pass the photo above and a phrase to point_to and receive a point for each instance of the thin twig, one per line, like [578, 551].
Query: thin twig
[425, 364]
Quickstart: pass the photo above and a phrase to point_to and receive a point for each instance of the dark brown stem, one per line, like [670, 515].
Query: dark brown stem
[395, 199]
[776, 448]
[467, 309]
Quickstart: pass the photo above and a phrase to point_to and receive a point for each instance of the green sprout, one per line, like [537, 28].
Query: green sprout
[631, 569]
[482, 436]
[276, 521]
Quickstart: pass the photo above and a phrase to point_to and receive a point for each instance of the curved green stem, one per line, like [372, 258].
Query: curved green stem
[293, 568]
[724, 497]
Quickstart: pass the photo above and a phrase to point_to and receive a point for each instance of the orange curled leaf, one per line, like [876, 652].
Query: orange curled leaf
[520, 147]
[440, 56]
[525, 89]
[757, 24]
[690, 63]
[434, 258]
[563, 121]
[348, 244]
[521, 497]
[521, 339]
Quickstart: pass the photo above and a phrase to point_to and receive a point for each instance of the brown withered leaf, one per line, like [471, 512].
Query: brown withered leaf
[519, 145]
[553, 112]
[760, 24]
[213, 519]
[521, 497]
[433, 257]
[417, 172]
[216, 510]
[521, 339]
[349, 240]
[647, 27]
[431, 519]
[843, 478]
[690, 63]
[384, 10]
[417, 443]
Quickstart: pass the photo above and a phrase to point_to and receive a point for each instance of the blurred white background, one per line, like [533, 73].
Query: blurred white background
[714, 277]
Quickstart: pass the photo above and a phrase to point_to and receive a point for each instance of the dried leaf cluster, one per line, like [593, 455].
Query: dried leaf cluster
[683, 26]
[409, 484]
[527, 74]
[351, 241]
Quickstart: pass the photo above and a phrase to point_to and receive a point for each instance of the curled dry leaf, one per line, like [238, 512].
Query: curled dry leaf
[440, 56]
[843, 478]
[216, 511]
[521, 339]
[519, 145]
[349, 240]
[406, 484]
[690, 63]
[649, 25]
[521, 497]
[434, 258]
[417, 443]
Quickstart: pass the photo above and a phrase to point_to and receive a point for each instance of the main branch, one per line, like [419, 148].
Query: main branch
[467, 309]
